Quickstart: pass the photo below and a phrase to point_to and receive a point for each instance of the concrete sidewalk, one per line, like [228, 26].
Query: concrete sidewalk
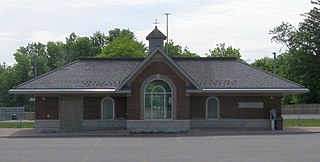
[30, 132]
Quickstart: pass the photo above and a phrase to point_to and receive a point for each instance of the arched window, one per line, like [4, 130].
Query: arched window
[107, 108]
[212, 111]
[157, 100]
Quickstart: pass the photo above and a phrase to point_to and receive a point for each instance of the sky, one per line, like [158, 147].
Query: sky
[196, 24]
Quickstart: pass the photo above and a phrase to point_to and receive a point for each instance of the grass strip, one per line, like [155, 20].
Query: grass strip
[301, 122]
[16, 125]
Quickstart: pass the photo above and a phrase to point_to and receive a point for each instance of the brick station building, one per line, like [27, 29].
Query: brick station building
[156, 94]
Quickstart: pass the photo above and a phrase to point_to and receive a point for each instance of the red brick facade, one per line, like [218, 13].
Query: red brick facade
[47, 107]
[229, 107]
[162, 68]
[92, 107]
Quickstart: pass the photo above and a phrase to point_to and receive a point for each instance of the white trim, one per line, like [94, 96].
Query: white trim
[298, 90]
[74, 91]
[101, 108]
[218, 107]
[164, 93]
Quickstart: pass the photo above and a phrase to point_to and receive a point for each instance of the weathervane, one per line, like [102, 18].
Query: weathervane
[156, 22]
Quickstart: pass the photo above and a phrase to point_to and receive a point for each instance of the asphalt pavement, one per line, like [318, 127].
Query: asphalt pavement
[271, 147]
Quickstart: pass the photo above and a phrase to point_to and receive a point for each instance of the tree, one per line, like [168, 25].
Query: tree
[77, 47]
[265, 63]
[55, 51]
[99, 41]
[116, 33]
[124, 46]
[303, 61]
[176, 50]
[222, 51]
[187, 53]
[30, 61]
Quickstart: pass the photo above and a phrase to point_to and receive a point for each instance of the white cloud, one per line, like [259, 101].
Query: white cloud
[45, 36]
[40, 4]
[9, 36]
[197, 24]
[242, 24]
[97, 3]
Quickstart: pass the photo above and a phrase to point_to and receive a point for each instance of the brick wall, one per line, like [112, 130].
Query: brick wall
[47, 107]
[229, 107]
[182, 104]
[92, 107]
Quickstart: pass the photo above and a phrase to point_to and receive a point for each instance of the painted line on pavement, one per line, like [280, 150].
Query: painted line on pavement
[182, 141]
[140, 142]
[54, 143]
[97, 143]
[144, 159]
[27, 160]
[85, 159]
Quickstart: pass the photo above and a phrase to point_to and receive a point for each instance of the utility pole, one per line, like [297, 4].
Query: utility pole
[167, 15]
[274, 63]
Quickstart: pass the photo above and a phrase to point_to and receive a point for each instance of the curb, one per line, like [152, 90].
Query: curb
[190, 134]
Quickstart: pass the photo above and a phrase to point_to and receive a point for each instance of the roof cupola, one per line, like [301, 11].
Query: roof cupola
[156, 38]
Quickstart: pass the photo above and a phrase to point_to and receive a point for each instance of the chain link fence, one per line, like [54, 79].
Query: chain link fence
[11, 113]
[301, 111]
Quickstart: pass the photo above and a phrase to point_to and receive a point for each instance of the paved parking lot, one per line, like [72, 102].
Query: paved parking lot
[286, 147]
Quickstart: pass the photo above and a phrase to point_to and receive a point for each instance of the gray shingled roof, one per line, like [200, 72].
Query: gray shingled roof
[109, 73]
[229, 73]
[86, 73]
[156, 34]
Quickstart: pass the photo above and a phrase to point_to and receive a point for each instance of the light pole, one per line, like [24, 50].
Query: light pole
[274, 63]
[167, 22]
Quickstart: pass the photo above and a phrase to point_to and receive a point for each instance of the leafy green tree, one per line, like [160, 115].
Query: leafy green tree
[187, 53]
[77, 47]
[8, 81]
[99, 41]
[116, 33]
[124, 46]
[265, 63]
[173, 50]
[55, 52]
[222, 51]
[30, 61]
[303, 61]
[177, 51]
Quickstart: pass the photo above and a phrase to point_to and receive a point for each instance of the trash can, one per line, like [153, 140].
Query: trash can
[279, 123]
[14, 117]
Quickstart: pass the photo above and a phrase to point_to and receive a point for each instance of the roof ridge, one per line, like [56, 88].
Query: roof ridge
[204, 58]
[111, 58]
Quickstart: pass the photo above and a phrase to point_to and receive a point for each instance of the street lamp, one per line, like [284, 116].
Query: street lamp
[274, 63]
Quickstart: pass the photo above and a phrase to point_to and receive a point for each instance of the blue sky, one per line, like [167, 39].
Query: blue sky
[197, 24]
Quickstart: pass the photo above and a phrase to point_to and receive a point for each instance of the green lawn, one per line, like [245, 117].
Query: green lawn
[16, 125]
[301, 122]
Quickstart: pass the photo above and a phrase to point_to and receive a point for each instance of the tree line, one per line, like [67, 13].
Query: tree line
[299, 63]
[36, 58]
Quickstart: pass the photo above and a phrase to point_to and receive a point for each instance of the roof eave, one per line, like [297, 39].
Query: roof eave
[279, 90]
[69, 91]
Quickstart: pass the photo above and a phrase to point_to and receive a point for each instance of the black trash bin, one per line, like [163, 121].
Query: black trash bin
[279, 123]
[14, 117]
